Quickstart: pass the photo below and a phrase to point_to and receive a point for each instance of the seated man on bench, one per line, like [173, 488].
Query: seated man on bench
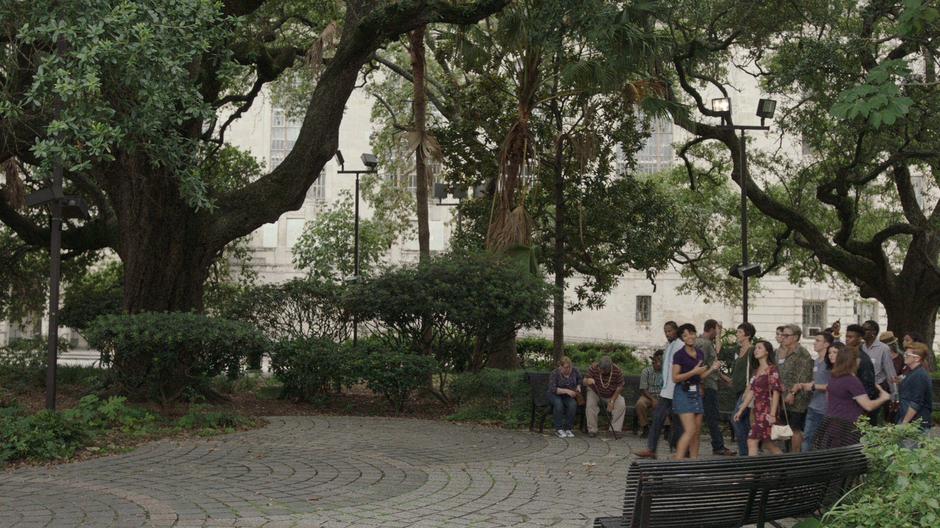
[651, 382]
[604, 381]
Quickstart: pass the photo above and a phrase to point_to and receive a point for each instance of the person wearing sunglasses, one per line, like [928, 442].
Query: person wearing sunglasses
[915, 390]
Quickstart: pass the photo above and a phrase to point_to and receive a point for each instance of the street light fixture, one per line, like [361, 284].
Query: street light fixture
[371, 162]
[765, 110]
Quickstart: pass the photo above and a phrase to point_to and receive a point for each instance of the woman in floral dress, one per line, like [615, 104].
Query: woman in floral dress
[764, 391]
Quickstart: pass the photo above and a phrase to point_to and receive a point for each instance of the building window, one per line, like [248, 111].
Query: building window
[284, 134]
[814, 317]
[644, 308]
[269, 235]
[317, 191]
[657, 153]
[866, 311]
[295, 228]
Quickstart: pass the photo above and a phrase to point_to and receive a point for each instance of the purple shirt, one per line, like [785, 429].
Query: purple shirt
[687, 363]
[842, 392]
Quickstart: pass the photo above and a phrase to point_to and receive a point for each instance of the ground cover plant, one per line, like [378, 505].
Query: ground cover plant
[99, 426]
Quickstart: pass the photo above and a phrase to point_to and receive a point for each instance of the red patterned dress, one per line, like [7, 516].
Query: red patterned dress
[762, 387]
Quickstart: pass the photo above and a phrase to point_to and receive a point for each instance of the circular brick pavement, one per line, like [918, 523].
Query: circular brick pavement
[332, 472]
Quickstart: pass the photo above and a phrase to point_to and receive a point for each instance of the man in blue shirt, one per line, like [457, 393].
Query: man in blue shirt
[915, 392]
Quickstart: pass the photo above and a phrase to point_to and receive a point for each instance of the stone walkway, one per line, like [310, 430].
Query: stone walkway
[332, 472]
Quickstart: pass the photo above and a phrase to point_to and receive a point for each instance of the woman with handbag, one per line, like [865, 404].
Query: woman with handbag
[764, 391]
[848, 400]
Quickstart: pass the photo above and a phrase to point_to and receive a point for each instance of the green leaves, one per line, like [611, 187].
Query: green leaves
[879, 100]
[124, 81]
[904, 464]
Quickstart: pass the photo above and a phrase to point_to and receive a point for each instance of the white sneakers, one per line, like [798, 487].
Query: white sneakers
[564, 434]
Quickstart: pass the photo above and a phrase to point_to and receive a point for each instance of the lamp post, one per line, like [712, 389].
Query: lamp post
[371, 162]
[765, 110]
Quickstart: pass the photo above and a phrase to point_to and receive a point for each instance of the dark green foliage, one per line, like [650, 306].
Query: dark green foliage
[52, 436]
[900, 488]
[296, 309]
[43, 436]
[536, 353]
[394, 373]
[491, 395]
[207, 422]
[161, 356]
[309, 368]
[97, 293]
[471, 302]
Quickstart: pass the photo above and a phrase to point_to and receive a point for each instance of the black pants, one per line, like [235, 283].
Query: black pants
[660, 413]
[712, 420]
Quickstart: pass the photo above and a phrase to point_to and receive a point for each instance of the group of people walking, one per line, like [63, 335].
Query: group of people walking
[782, 392]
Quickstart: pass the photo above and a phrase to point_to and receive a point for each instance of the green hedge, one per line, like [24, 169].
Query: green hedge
[310, 368]
[536, 353]
[166, 356]
[491, 395]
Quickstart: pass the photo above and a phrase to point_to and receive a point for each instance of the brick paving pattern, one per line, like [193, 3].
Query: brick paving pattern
[332, 472]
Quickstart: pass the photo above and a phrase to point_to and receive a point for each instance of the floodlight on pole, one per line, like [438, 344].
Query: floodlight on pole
[371, 162]
[765, 110]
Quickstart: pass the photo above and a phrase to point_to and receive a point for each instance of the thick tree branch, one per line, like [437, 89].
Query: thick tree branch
[368, 25]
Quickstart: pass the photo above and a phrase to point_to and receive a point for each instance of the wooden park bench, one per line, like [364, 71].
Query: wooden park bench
[737, 491]
[542, 407]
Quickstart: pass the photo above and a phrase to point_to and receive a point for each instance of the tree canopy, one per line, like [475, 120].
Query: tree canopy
[857, 87]
[147, 90]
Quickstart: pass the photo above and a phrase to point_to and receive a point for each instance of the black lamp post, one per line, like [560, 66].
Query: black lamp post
[60, 206]
[765, 110]
[371, 162]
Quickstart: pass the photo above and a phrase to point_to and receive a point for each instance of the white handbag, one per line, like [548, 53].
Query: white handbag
[782, 432]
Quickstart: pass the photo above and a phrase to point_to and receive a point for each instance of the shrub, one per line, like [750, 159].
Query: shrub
[208, 422]
[310, 367]
[471, 301]
[162, 356]
[23, 362]
[296, 309]
[491, 395]
[536, 353]
[97, 293]
[900, 488]
[395, 374]
[45, 435]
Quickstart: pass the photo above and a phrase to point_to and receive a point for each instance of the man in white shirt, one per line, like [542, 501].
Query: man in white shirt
[664, 408]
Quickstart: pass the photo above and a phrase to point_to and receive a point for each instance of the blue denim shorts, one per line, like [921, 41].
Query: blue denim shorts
[686, 401]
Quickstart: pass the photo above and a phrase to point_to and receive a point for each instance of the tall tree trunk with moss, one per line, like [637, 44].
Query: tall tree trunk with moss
[418, 62]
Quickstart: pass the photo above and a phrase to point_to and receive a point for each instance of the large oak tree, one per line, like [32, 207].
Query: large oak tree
[142, 87]
[857, 86]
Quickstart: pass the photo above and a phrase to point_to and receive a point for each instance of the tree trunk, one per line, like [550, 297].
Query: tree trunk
[558, 261]
[416, 38]
[159, 240]
[913, 313]
[503, 354]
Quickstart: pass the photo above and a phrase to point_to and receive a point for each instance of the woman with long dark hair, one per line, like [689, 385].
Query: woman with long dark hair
[847, 400]
[763, 390]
